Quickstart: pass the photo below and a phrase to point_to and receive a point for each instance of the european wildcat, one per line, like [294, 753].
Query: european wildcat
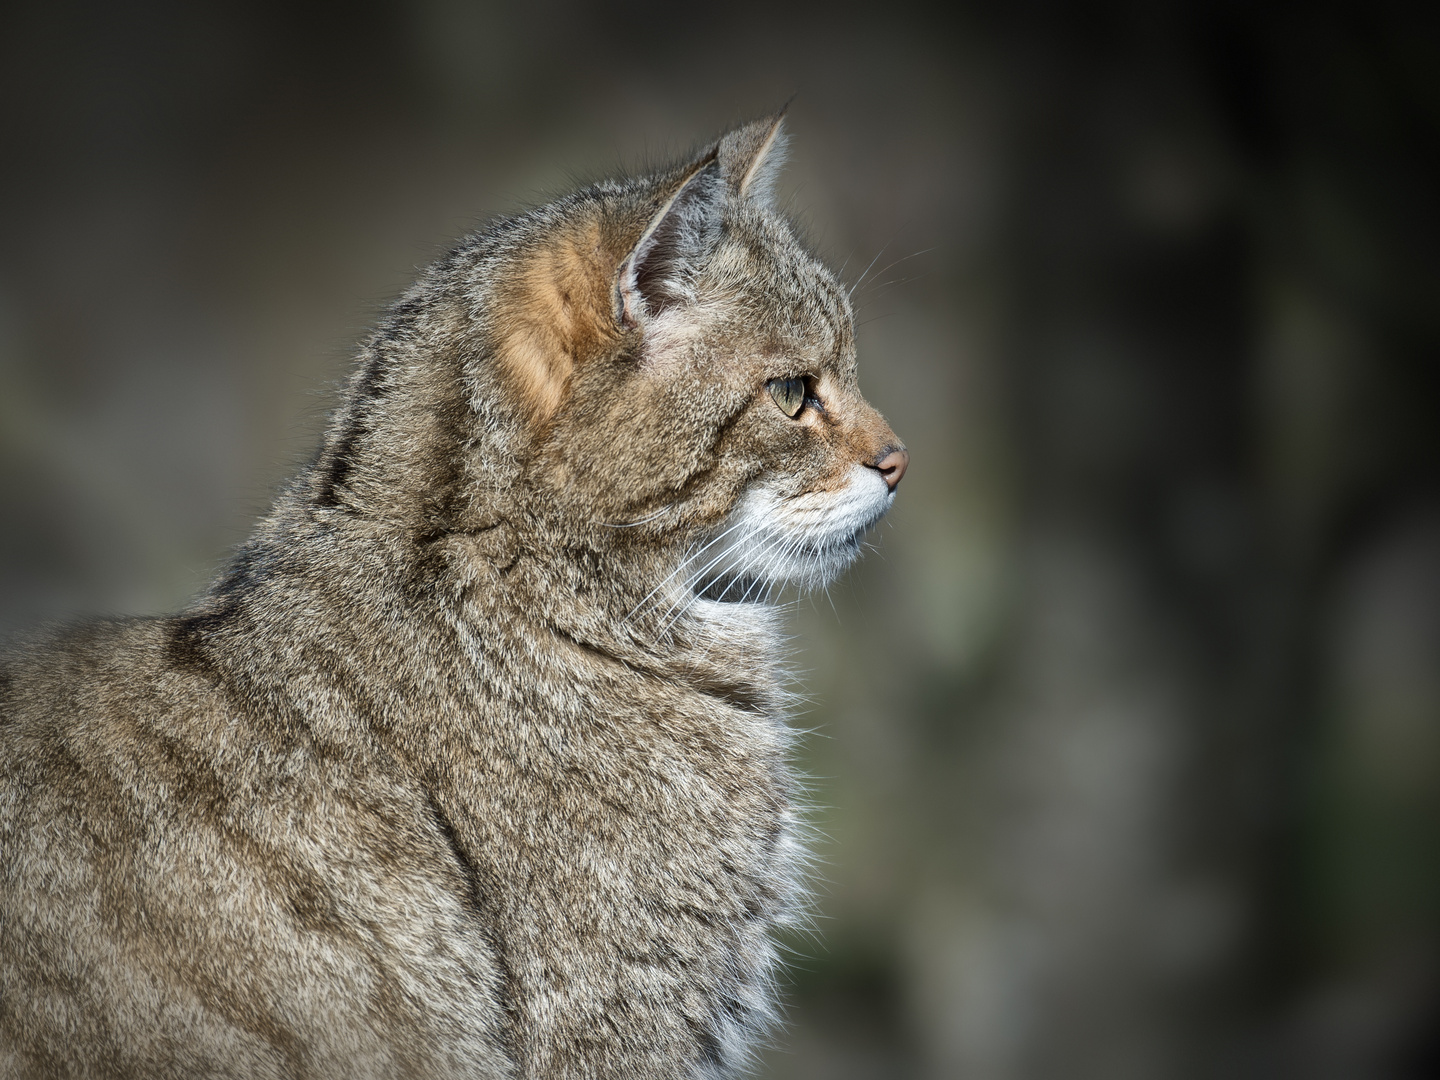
[473, 763]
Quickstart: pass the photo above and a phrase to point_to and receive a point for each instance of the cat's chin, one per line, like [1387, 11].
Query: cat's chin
[774, 541]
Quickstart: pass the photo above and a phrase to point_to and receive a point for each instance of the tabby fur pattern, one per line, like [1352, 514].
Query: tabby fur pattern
[474, 761]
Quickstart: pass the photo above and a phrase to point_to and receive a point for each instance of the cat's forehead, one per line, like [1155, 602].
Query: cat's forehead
[801, 308]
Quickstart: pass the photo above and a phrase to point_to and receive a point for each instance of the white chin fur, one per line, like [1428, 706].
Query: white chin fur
[771, 540]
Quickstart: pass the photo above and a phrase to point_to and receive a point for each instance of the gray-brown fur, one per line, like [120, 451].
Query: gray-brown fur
[451, 774]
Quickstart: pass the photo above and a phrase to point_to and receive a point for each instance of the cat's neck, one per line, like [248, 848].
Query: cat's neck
[321, 573]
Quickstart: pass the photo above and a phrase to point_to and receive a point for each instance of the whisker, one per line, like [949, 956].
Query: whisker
[758, 579]
[753, 531]
[639, 521]
[768, 562]
[786, 553]
[875, 288]
[779, 556]
[689, 596]
[851, 293]
[890, 266]
[663, 582]
[680, 568]
[875, 318]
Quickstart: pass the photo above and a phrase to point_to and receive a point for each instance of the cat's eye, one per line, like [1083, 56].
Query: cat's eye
[789, 394]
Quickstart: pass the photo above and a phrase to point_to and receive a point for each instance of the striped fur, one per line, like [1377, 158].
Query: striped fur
[474, 762]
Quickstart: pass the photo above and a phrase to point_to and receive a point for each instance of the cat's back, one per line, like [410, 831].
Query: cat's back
[71, 703]
[170, 861]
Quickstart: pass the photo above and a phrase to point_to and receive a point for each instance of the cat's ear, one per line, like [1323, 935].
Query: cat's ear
[652, 276]
[741, 165]
[553, 310]
[750, 157]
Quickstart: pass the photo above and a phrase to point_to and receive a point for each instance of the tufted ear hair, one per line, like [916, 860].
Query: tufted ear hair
[751, 156]
[742, 165]
[654, 274]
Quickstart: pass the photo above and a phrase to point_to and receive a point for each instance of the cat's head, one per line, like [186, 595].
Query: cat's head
[687, 367]
[650, 366]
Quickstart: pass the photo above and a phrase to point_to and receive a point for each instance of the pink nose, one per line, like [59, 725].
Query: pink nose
[892, 465]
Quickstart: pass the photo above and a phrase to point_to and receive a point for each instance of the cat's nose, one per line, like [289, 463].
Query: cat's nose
[892, 465]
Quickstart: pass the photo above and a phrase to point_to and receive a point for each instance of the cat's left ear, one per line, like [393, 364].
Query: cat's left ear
[751, 156]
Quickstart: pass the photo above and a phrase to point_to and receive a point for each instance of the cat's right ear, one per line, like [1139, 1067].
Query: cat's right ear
[653, 275]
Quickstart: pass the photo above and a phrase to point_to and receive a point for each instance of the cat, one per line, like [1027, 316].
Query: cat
[473, 763]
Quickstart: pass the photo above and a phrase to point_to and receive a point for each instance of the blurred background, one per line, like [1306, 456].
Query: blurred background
[1127, 740]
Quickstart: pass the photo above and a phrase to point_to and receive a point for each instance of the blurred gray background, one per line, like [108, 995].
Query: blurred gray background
[1127, 740]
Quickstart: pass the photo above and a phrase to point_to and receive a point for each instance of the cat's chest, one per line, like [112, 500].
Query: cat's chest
[631, 840]
[609, 761]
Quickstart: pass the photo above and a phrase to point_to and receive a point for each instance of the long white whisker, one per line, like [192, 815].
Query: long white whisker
[861, 278]
[777, 579]
[797, 544]
[778, 555]
[690, 557]
[775, 557]
[638, 521]
[663, 582]
[890, 266]
[753, 530]
[759, 575]
[687, 597]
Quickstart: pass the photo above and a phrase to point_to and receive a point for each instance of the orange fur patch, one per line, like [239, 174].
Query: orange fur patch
[855, 432]
[552, 313]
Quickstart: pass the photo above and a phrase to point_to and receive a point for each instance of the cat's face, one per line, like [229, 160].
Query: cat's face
[715, 409]
[802, 450]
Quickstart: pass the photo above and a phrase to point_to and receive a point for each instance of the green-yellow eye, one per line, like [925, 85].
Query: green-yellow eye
[789, 394]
